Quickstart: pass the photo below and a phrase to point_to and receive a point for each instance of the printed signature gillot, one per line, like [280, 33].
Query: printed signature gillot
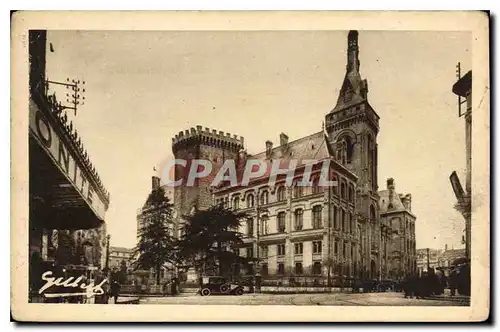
[90, 289]
[336, 209]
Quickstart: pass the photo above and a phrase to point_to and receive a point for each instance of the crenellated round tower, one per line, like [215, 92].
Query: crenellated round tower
[201, 143]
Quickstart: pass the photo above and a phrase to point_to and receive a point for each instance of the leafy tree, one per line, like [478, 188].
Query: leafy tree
[156, 245]
[209, 237]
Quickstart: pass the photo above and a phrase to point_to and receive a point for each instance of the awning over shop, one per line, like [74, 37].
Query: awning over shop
[63, 188]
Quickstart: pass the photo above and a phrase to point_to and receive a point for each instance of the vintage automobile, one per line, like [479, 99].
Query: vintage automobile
[220, 286]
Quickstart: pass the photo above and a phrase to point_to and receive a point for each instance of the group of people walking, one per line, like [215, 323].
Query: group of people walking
[434, 282]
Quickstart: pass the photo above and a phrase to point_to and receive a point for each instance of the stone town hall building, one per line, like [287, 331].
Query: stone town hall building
[351, 230]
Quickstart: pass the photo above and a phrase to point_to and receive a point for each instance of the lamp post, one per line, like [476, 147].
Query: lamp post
[106, 266]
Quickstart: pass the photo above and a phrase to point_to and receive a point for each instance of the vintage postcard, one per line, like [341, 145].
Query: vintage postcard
[250, 166]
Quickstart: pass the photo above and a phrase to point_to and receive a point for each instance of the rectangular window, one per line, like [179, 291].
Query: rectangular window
[317, 246]
[281, 222]
[298, 268]
[335, 218]
[316, 214]
[335, 247]
[343, 220]
[264, 225]
[299, 248]
[281, 250]
[250, 252]
[315, 186]
[299, 213]
[316, 269]
[263, 251]
[281, 194]
[344, 247]
[250, 227]
[297, 190]
[281, 268]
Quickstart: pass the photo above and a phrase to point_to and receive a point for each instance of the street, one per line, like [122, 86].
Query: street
[336, 299]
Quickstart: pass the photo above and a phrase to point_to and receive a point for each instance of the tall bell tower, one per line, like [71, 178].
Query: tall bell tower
[352, 128]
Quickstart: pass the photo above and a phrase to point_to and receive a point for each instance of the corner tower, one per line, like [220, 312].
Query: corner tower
[352, 128]
[198, 143]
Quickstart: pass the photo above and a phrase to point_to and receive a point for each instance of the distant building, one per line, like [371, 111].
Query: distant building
[119, 254]
[399, 257]
[423, 263]
[448, 257]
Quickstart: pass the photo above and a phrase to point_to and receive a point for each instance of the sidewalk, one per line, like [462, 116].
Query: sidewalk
[456, 298]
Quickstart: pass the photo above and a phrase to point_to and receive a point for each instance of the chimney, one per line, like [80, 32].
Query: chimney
[390, 187]
[445, 247]
[283, 139]
[269, 148]
[390, 184]
[155, 182]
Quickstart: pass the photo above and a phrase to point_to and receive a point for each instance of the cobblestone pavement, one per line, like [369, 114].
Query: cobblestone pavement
[338, 299]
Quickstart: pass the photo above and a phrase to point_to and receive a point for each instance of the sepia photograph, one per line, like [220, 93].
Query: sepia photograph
[256, 168]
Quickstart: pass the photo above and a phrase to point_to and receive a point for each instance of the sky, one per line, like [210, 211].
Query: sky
[143, 87]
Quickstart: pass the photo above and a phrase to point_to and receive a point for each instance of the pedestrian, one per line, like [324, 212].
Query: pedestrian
[174, 286]
[453, 281]
[165, 288]
[115, 290]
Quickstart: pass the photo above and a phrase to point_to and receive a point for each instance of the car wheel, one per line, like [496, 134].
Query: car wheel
[205, 292]
[224, 288]
[239, 291]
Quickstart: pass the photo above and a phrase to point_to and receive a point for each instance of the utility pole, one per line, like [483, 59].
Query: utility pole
[108, 237]
[463, 89]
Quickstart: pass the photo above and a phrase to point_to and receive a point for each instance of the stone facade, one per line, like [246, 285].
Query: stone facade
[399, 256]
[335, 231]
[198, 143]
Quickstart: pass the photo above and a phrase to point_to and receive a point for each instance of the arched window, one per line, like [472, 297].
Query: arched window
[264, 198]
[351, 193]
[299, 214]
[250, 201]
[373, 215]
[335, 188]
[281, 193]
[236, 203]
[342, 190]
[345, 149]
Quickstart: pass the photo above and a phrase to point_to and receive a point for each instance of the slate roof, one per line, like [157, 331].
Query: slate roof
[314, 146]
[397, 205]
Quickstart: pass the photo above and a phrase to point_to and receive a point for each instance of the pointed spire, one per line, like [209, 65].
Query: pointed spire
[354, 89]
[352, 52]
